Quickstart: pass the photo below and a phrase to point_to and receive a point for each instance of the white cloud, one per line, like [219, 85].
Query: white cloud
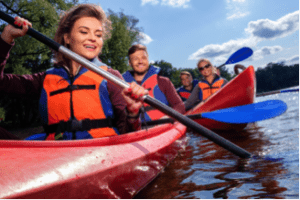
[236, 9]
[153, 2]
[171, 3]
[220, 59]
[220, 52]
[286, 61]
[265, 51]
[145, 39]
[238, 15]
[268, 29]
[292, 60]
[176, 3]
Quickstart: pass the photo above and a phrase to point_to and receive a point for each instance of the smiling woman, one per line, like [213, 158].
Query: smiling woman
[82, 29]
[75, 103]
[85, 38]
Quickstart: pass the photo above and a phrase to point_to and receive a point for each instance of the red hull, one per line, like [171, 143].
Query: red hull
[112, 167]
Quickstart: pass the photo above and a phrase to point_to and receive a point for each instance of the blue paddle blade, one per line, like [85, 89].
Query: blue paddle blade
[240, 55]
[248, 113]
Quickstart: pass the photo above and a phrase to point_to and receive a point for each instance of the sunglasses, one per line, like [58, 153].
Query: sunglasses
[202, 68]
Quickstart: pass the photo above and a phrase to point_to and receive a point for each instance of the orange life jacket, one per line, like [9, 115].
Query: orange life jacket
[208, 89]
[151, 85]
[84, 99]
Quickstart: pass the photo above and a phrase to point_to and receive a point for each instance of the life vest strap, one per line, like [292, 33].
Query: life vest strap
[213, 87]
[75, 125]
[73, 87]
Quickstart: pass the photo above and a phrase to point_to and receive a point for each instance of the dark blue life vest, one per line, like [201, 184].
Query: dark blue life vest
[184, 93]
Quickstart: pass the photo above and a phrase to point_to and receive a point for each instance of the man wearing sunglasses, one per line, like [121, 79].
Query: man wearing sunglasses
[209, 84]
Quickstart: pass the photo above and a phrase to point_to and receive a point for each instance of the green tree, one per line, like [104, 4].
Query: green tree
[2, 114]
[176, 75]
[225, 74]
[173, 73]
[123, 35]
[29, 55]
[277, 76]
[167, 70]
[44, 16]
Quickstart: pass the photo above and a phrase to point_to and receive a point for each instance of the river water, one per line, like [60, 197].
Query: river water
[205, 170]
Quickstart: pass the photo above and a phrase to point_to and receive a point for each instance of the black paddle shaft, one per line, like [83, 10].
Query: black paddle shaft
[197, 128]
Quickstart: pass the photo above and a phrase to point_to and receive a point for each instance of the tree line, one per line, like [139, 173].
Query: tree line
[276, 76]
[30, 56]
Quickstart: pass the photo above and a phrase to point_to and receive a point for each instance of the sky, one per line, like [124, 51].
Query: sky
[182, 32]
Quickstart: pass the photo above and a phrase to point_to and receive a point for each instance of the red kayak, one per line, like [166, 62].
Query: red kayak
[111, 167]
[239, 91]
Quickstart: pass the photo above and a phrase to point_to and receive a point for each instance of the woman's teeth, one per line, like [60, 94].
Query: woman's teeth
[90, 47]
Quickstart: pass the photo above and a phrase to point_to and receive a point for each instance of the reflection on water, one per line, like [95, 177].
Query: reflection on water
[205, 170]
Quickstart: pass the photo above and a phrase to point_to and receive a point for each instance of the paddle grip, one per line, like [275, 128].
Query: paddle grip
[35, 34]
[198, 128]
